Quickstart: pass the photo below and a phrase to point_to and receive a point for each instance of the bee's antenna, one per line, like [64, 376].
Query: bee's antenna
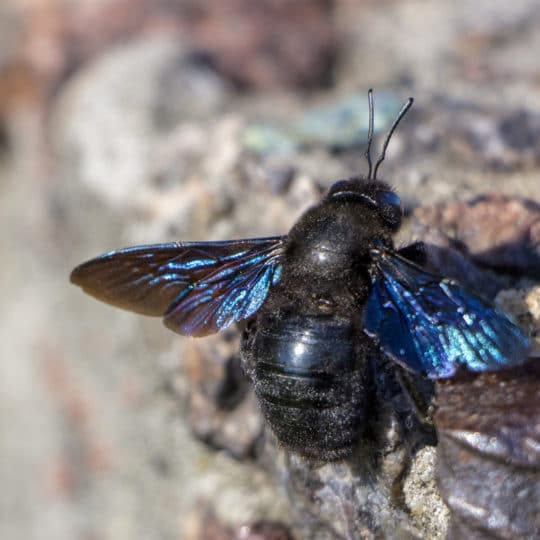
[401, 114]
[370, 133]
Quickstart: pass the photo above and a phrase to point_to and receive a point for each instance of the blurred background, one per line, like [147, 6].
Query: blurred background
[139, 121]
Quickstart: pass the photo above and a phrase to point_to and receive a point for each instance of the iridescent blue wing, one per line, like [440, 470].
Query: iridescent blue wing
[199, 288]
[433, 326]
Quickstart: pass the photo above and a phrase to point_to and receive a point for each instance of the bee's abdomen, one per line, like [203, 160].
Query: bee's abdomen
[310, 382]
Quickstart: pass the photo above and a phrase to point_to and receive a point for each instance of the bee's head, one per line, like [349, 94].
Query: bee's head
[369, 191]
[375, 195]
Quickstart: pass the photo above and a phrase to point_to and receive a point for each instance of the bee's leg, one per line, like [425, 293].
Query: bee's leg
[233, 387]
[399, 425]
[247, 359]
[404, 398]
[419, 394]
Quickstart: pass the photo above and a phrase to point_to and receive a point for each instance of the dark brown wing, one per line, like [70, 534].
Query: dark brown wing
[200, 287]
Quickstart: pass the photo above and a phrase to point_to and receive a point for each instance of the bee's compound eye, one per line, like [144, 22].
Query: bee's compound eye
[388, 198]
[390, 206]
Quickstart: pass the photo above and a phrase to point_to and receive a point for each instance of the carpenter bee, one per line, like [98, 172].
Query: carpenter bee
[321, 303]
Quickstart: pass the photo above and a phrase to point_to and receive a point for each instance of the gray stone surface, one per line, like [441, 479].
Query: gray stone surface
[142, 147]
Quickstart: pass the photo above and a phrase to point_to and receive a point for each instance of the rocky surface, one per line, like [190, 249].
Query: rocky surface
[116, 428]
[489, 429]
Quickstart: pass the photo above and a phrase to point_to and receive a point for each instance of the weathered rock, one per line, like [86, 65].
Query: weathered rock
[498, 231]
[489, 453]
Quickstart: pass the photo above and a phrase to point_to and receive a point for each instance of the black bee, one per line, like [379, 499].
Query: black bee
[321, 303]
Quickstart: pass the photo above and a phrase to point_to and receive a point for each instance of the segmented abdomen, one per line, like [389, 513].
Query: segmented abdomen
[310, 381]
